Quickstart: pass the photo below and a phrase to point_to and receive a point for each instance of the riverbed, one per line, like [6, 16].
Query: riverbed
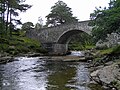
[37, 73]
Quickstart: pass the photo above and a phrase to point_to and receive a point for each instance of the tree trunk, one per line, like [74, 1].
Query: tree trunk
[4, 17]
[7, 17]
[10, 24]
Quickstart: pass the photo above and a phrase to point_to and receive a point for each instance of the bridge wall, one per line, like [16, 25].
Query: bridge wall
[52, 34]
[56, 49]
[54, 39]
[60, 49]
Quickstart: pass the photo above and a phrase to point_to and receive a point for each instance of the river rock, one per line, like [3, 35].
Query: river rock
[5, 59]
[107, 74]
[94, 74]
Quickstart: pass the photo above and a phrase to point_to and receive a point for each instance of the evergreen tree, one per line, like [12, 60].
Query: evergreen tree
[26, 26]
[60, 14]
[2, 17]
[9, 10]
[15, 5]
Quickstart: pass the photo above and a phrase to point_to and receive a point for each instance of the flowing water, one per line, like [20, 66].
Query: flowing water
[43, 74]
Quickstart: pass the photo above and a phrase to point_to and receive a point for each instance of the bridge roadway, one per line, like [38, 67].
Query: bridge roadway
[56, 39]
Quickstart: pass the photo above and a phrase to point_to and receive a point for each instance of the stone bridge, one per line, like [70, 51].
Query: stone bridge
[56, 39]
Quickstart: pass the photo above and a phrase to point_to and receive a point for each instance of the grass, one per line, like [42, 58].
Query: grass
[87, 47]
[113, 50]
[109, 54]
[106, 51]
[19, 44]
[78, 46]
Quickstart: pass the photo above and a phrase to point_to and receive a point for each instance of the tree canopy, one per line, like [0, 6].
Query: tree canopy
[39, 24]
[26, 26]
[9, 9]
[60, 14]
[105, 21]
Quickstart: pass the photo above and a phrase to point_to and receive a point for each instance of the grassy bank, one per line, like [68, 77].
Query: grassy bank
[19, 44]
[105, 69]
[108, 54]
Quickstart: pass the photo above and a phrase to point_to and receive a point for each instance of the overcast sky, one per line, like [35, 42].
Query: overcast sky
[80, 8]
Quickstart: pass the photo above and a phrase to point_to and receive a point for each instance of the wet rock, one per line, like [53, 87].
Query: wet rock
[34, 55]
[95, 73]
[88, 55]
[5, 59]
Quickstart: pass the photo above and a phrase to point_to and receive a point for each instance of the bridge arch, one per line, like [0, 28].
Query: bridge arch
[56, 39]
[65, 37]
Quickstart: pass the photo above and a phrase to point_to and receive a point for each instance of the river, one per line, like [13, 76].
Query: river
[43, 74]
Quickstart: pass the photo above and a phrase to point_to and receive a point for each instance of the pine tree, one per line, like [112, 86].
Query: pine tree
[60, 14]
[10, 9]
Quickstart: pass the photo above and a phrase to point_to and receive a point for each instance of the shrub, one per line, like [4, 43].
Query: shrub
[116, 50]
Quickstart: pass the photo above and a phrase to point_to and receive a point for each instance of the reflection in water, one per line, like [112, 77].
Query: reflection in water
[81, 78]
[40, 74]
[62, 73]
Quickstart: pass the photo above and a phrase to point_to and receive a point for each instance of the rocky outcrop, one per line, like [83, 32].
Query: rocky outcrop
[112, 39]
[107, 76]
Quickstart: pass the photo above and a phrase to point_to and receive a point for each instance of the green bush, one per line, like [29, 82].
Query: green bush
[3, 47]
[19, 44]
[22, 49]
[4, 41]
[42, 50]
[75, 46]
[116, 50]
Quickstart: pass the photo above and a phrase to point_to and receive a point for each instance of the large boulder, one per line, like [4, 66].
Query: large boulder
[108, 74]
[112, 39]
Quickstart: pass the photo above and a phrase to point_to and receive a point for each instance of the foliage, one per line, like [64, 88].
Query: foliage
[26, 26]
[75, 46]
[60, 14]
[106, 51]
[38, 26]
[105, 21]
[106, 55]
[81, 41]
[113, 50]
[19, 44]
[89, 47]
[9, 9]
[116, 50]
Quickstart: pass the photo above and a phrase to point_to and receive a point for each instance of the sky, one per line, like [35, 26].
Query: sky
[41, 8]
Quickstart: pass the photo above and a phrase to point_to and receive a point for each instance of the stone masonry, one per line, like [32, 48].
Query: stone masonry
[55, 39]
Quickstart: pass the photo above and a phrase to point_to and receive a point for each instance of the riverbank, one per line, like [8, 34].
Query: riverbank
[5, 57]
[77, 56]
[17, 45]
[28, 73]
[105, 69]
[107, 75]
